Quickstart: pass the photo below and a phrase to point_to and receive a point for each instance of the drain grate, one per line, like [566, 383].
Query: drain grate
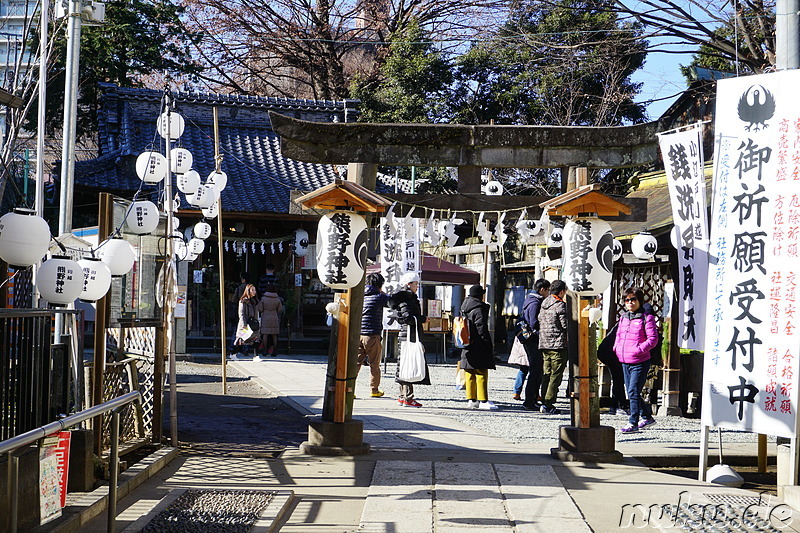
[746, 516]
[738, 499]
[217, 511]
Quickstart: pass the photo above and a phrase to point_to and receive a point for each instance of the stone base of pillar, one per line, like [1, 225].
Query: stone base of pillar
[335, 438]
[591, 445]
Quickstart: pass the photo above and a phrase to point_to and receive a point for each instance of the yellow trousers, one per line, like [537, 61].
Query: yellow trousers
[477, 384]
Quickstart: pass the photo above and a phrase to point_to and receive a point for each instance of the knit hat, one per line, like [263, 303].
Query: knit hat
[408, 278]
[476, 291]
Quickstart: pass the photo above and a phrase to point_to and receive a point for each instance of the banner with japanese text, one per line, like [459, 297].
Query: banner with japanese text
[682, 152]
[752, 337]
[399, 254]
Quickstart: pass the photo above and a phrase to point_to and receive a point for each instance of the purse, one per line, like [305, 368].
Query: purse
[412, 368]
[523, 331]
[253, 324]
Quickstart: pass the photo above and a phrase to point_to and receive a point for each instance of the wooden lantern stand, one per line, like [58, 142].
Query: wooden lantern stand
[586, 440]
[336, 432]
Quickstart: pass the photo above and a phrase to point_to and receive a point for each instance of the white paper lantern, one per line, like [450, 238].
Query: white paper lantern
[173, 205]
[118, 255]
[176, 223]
[341, 249]
[142, 217]
[190, 257]
[644, 245]
[196, 246]
[24, 238]
[493, 188]
[556, 237]
[172, 128]
[220, 179]
[675, 237]
[59, 280]
[96, 279]
[179, 249]
[204, 196]
[616, 250]
[151, 167]
[300, 242]
[587, 258]
[211, 211]
[188, 182]
[180, 160]
[534, 227]
[202, 230]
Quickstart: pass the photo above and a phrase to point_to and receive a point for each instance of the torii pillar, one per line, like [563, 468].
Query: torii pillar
[468, 148]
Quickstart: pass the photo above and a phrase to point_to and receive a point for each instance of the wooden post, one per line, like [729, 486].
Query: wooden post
[584, 415]
[762, 453]
[223, 333]
[340, 385]
[105, 225]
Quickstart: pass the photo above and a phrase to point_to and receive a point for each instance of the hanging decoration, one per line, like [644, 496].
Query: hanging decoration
[493, 188]
[202, 230]
[482, 230]
[211, 211]
[218, 179]
[196, 246]
[59, 280]
[118, 255]
[142, 217]
[616, 250]
[588, 252]
[24, 238]
[341, 249]
[499, 230]
[172, 128]
[300, 242]
[556, 238]
[96, 279]
[151, 167]
[180, 160]
[188, 183]
[263, 249]
[644, 245]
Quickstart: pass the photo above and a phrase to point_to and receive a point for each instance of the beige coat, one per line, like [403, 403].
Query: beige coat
[270, 308]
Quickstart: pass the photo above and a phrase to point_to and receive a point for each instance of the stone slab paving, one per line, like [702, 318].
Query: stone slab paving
[443, 496]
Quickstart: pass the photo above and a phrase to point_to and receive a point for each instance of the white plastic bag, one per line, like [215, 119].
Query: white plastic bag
[411, 368]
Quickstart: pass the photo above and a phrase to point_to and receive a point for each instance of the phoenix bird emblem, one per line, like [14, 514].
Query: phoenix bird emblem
[756, 107]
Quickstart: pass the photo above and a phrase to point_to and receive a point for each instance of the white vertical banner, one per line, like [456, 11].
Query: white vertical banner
[682, 152]
[400, 254]
[752, 338]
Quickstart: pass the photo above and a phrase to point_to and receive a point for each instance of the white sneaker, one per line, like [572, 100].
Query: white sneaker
[487, 406]
[233, 357]
[257, 359]
[472, 404]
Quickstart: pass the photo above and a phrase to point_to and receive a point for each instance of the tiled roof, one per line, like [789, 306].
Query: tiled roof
[259, 178]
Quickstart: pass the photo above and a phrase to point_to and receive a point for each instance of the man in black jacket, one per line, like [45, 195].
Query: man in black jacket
[370, 347]
[530, 312]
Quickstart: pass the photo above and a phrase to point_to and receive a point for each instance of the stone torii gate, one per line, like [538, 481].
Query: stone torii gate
[468, 148]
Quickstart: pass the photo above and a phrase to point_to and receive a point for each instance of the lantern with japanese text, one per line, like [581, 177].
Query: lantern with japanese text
[588, 255]
[24, 238]
[96, 279]
[196, 246]
[118, 254]
[341, 249]
[142, 217]
[188, 182]
[202, 230]
[211, 211]
[60, 280]
[151, 167]
[170, 125]
[180, 160]
[300, 242]
[644, 245]
[218, 178]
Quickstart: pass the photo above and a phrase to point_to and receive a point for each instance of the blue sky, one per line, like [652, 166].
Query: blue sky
[662, 78]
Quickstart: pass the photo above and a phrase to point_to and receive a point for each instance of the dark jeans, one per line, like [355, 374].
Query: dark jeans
[534, 384]
[635, 376]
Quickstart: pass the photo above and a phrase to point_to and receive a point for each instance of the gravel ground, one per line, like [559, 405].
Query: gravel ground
[212, 511]
[510, 421]
[515, 424]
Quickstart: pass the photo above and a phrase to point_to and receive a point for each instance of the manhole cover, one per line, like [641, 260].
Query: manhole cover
[737, 499]
[218, 511]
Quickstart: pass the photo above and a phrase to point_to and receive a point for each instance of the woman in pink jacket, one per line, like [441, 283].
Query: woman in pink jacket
[637, 334]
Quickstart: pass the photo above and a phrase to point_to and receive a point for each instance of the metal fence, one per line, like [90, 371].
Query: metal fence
[36, 384]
